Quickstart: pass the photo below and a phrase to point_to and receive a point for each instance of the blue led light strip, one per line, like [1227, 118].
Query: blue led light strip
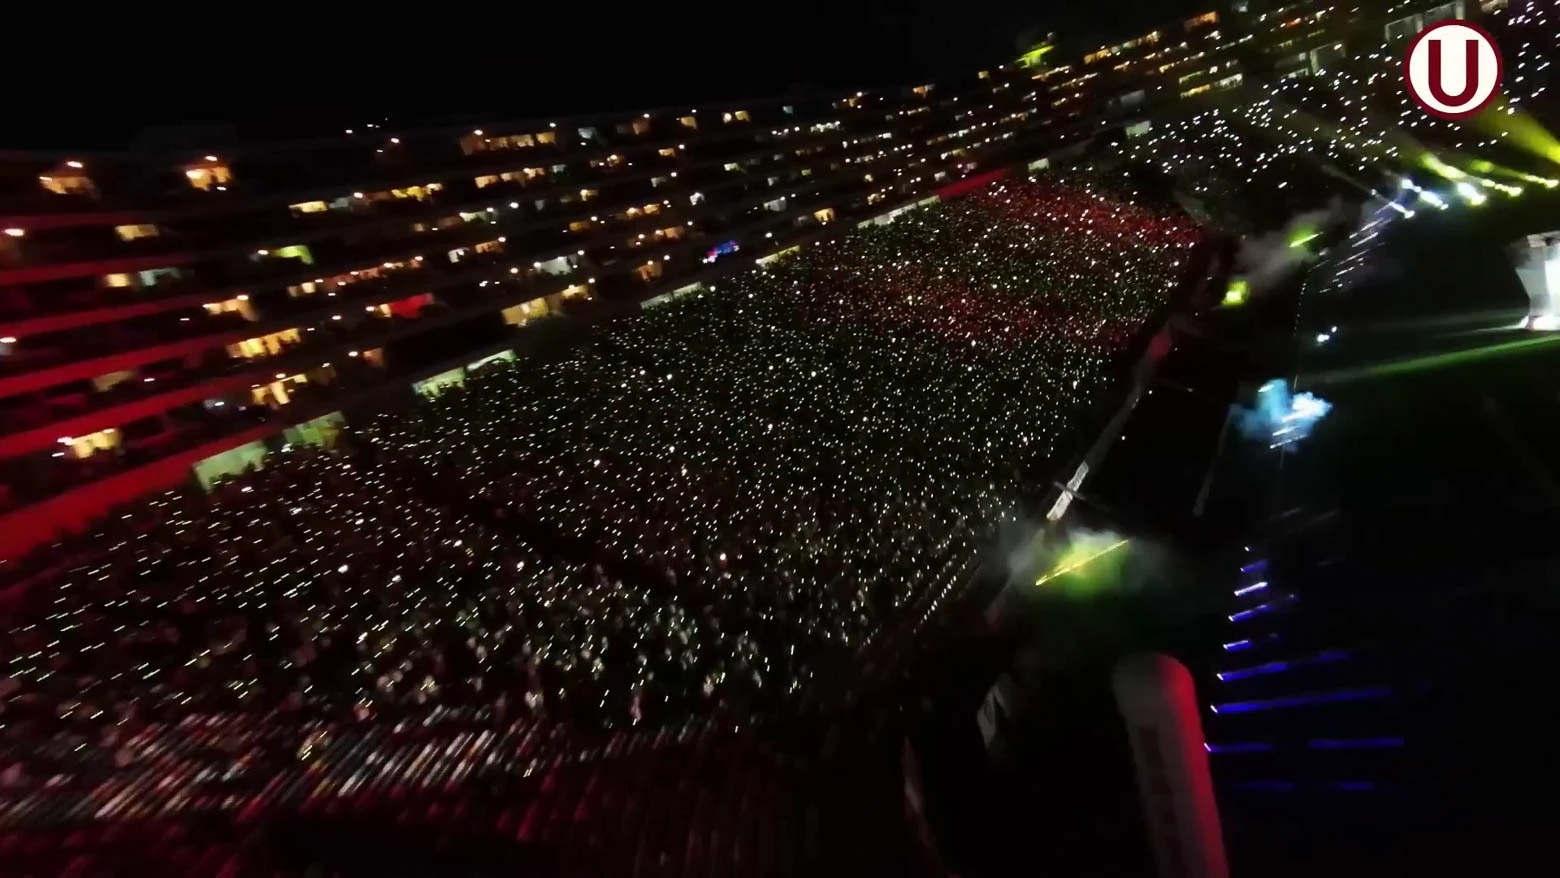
[1331, 655]
[1302, 700]
[1355, 743]
[1238, 645]
[1248, 747]
[1261, 609]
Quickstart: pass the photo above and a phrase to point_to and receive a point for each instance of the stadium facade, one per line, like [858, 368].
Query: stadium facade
[1220, 49]
[170, 312]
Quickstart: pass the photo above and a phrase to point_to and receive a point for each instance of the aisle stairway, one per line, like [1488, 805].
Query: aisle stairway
[1304, 716]
[1300, 712]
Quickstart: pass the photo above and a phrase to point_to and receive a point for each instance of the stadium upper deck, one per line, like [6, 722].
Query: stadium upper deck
[1221, 49]
[160, 306]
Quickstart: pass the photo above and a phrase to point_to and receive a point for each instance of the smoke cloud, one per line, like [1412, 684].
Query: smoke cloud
[1022, 543]
[1099, 553]
[1270, 259]
[1278, 418]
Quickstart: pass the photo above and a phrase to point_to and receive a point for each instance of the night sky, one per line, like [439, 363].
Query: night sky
[289, 69]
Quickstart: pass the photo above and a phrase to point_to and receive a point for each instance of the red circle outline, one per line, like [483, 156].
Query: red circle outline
[1500, 69]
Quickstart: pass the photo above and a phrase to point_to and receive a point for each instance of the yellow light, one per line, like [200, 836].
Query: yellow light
[1080, 563]
[1437, 166]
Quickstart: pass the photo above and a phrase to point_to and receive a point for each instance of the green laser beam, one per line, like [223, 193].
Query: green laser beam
[1079, 564]
[1427, 362]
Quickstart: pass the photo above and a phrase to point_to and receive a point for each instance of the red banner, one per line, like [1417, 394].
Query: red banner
[971, 184]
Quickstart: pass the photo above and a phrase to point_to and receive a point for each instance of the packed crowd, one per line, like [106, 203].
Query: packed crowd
[1243, 170]
[709, 509]
[1363, 118]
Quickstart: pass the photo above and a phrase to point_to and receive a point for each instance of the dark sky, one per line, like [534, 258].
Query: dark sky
[307, 65]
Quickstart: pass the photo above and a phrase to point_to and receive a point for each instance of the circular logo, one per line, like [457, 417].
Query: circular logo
[1453, 69]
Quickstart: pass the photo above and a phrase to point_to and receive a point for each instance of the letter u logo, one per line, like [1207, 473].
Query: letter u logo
[1445, 51]
[1470, 73]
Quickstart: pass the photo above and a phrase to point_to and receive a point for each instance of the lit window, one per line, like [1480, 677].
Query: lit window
[135, 232]
[265, 345]
[208, 174]
[110, 380]
[519, 315]
[476, 142]
[421, 193]
[92, 443]
[69, 178]
[278, 392]
[236, 305]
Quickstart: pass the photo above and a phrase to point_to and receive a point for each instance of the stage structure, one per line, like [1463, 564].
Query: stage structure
[1537, 260]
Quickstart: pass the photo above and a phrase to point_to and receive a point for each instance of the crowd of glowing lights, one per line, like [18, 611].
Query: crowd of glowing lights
[1528, 41]
[709, 509]
[1223, 161]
